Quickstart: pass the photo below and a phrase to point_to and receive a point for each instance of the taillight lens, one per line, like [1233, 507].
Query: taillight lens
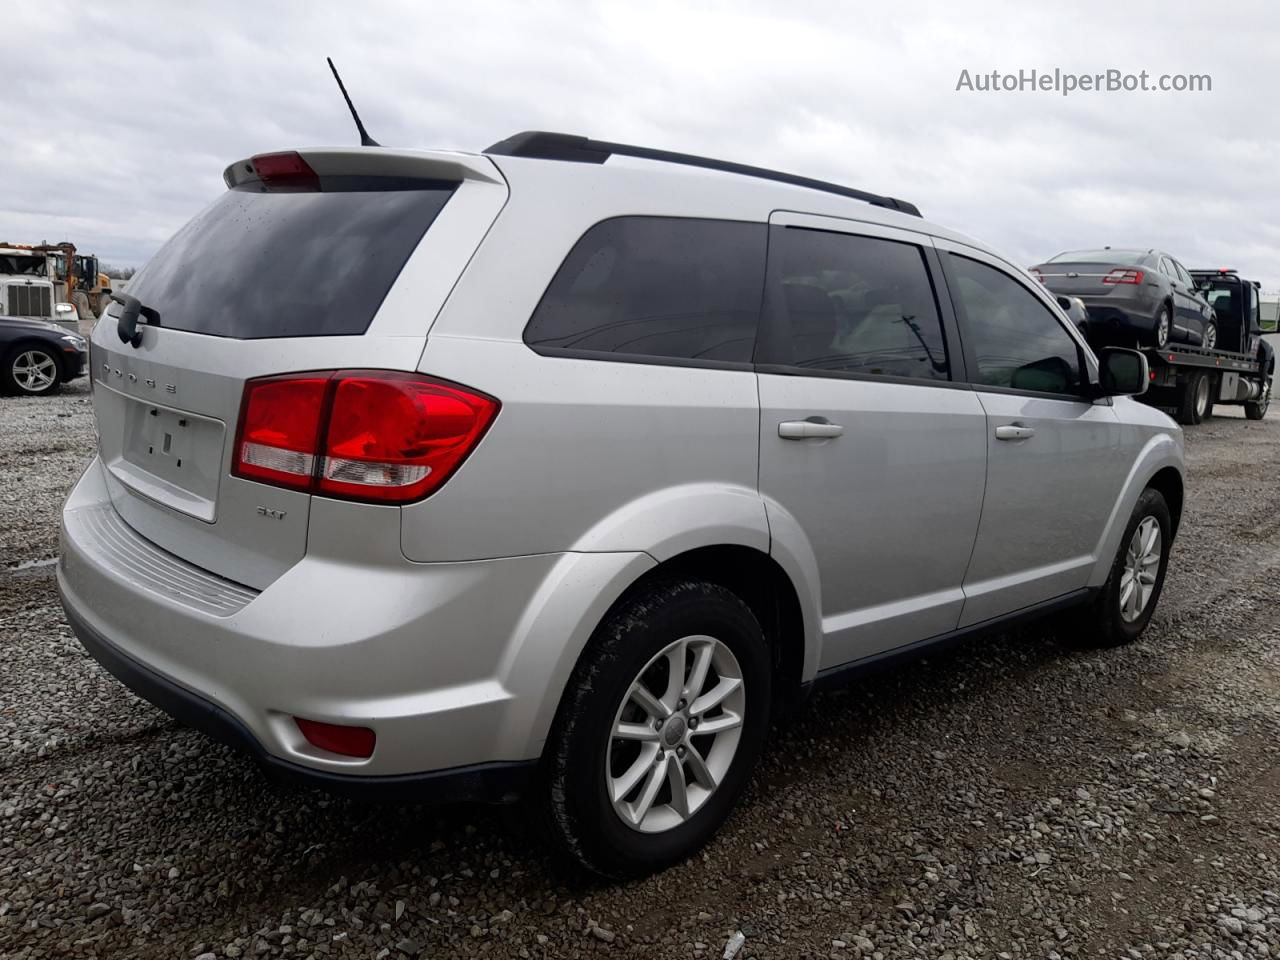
[1123, 276]
[366, 435]
[280, 428]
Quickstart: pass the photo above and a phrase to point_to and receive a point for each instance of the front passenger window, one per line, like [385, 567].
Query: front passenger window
[1018, 341]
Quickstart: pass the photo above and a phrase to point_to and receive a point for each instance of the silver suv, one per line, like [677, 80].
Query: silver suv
[551, 472]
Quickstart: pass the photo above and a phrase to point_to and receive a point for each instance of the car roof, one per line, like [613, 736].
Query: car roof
[634, 185]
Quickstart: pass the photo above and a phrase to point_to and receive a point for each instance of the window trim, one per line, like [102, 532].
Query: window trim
[1083, 353]
[578, 353]
[774, 331]
[583, 353]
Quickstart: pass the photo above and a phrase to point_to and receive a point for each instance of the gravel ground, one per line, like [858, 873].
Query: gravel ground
[1013, 798]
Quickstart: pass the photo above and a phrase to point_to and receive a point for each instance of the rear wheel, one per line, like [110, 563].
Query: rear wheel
[1209, 338]
[1257, 409]
[1128, 600]
[31, 370]
[1194, 399]
[1164, 324]
[663, 720]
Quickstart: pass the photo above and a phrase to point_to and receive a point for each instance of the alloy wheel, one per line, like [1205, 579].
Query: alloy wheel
[675, 734]
[34, 371]
[1162, 329]
[1210, 337]
[1141, 566]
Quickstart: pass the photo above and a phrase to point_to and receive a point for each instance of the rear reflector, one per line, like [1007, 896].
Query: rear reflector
[367, 435]
[1120, 275]
[287, 170]
[335, 738]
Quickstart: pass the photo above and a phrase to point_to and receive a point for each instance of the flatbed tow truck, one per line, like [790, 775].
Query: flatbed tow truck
[1192, 380]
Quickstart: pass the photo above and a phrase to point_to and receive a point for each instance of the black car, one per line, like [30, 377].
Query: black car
[37, 357]
[1142, 295]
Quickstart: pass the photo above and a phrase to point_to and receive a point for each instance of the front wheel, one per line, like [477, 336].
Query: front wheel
[663, 720]
[1209, 338]
[30, 370]
[1127, 601]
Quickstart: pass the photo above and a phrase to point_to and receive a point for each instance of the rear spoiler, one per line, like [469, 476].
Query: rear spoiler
[362, 162]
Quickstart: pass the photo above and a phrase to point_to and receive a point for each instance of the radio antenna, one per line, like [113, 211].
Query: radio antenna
[365, 139]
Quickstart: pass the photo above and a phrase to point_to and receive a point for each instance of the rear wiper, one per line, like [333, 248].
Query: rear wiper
[127, 324]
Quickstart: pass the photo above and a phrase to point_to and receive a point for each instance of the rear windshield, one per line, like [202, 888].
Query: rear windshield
[291, 264]
[1127, 257]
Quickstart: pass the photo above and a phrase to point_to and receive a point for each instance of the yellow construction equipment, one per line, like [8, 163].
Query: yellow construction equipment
[75, 276]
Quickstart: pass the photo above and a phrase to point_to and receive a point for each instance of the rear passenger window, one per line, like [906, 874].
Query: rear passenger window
[1018, 341]
[661, 287]
[855, 304]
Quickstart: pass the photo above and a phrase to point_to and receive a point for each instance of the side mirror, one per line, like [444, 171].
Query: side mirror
[1122, 372]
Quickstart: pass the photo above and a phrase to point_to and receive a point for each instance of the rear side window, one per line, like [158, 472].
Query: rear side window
[287, 264]
[855, 304]
[1018, 341]
[660, 287]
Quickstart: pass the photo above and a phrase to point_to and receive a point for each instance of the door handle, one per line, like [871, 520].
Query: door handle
[814, 429]
[1014, 431]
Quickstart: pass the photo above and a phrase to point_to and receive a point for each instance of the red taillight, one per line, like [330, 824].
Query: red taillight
[367, 435]
[285, 170]
[1120, 275]
[336, 738]
[280, 428]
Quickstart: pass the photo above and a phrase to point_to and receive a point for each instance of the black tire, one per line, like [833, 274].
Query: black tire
[1257, 409]
[12, 382]
[1192, 403]
[1165, 315]
[1214, 387]
[1101, 624]
[584, 824]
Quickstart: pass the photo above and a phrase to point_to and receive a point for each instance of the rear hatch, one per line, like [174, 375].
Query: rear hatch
[317, 260]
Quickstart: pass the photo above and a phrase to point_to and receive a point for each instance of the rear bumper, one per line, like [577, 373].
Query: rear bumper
[489, 782]
[457, 667]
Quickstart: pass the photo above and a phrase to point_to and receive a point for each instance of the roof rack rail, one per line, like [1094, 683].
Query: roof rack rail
[542, 145]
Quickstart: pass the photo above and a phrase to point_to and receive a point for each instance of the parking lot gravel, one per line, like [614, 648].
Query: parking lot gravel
[1014, 797]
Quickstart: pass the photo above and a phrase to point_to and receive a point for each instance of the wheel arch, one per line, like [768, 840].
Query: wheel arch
[762, 584]
[1167, 481]
[1159, 466]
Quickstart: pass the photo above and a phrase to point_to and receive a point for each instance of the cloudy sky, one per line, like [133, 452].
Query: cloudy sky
[119, 117]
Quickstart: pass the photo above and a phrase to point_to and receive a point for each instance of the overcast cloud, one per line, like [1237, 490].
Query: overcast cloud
[119, 118]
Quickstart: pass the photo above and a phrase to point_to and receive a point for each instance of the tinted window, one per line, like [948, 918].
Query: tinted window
[855, 304]
[1167, 268]
[657, 287]
[294, 264]
[1182, 273]
[1018, 341]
